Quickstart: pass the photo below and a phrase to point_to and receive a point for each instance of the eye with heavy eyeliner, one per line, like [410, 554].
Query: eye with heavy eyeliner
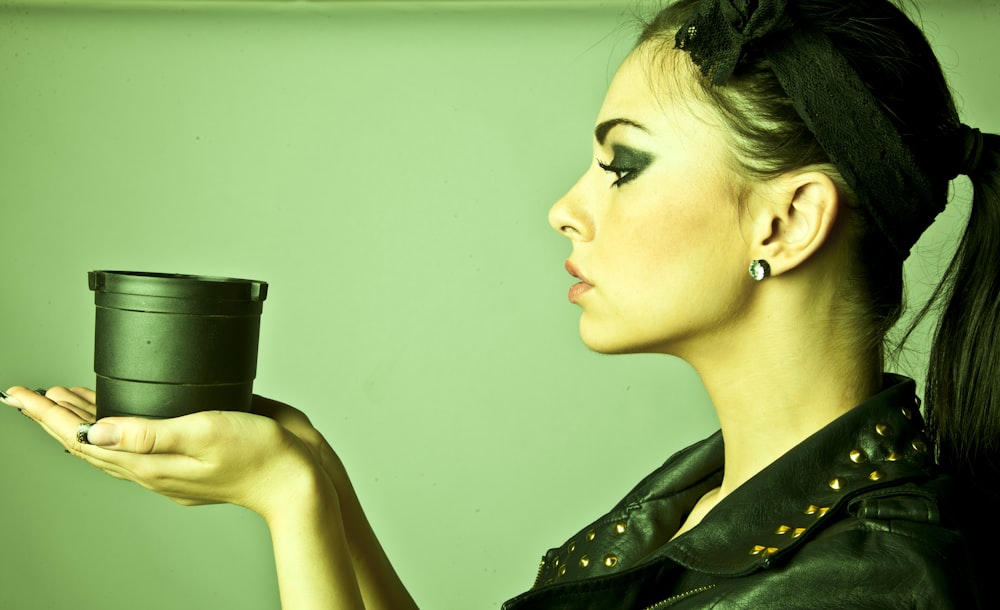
[627, 164]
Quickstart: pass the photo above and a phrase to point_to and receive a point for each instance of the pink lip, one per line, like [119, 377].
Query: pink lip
[572, 270]
[580, 288]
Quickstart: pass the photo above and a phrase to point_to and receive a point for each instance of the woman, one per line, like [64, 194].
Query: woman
[810, 142]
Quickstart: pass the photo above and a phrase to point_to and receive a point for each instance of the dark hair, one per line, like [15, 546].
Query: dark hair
[895, 62]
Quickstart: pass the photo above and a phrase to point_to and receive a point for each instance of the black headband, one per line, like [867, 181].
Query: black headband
[847, 121]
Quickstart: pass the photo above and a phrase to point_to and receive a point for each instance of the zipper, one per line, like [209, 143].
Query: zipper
[538, 577]
[679, 596]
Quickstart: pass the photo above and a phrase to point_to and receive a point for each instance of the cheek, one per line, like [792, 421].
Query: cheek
[669, 277]
[676, 264]
[675, 242]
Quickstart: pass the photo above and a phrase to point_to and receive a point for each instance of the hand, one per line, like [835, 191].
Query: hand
[258, 460]
[202, 458]
[298, 423]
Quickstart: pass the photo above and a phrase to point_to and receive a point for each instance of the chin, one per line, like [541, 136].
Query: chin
[607, 343]
[604, 340]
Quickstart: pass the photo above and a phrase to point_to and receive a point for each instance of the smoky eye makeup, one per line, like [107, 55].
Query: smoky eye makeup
[627, 163]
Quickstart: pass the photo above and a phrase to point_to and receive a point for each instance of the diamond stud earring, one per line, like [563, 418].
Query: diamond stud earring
[759, 270]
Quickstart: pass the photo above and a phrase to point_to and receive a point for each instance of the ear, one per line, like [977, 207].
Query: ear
[794, 217]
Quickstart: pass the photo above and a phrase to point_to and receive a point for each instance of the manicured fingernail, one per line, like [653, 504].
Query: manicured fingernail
[104, 435]
[9, 400]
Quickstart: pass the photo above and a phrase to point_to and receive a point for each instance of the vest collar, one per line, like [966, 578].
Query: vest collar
[878, 444]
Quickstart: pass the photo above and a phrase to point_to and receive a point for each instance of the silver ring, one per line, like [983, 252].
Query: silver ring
[81, 433]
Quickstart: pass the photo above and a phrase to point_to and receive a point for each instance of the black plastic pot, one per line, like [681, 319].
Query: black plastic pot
[167, 345]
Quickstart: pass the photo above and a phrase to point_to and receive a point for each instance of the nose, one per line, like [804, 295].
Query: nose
[570, 215]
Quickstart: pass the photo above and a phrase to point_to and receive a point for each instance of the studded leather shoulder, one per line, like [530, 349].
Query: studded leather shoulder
[862, 492]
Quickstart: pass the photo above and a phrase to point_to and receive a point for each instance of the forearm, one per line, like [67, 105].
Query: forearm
[311, 554]
[374, 575]
[380, 586]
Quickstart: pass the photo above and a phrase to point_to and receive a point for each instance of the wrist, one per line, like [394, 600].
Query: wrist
[305, 492]
[314, 566]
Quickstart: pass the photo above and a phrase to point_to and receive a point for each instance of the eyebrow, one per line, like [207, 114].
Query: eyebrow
[601, 132]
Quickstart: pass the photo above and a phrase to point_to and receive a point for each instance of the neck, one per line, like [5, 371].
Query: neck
[775, 383]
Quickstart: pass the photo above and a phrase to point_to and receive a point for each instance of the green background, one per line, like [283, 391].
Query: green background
[387, 167]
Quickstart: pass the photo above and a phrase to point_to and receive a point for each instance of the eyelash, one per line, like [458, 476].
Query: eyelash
[624, 174]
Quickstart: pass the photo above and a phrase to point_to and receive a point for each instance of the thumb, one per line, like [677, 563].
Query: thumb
[134, 435]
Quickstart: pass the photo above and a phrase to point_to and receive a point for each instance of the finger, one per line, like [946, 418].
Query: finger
[152, 471]
[272, 408]
[88, 455]
[162, 474]
[63, 424]
[148, 436]
[178, 477]
[73, 445]
[79, 399]
[288, 416]
[60, 422]
[70, 400]
[9, 400]
[64, 430]
[85, 393]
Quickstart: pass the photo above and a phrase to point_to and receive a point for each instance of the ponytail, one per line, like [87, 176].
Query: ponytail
[962, 395]
[963, 379]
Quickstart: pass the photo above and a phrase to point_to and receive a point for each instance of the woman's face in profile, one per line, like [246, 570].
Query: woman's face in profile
[654, 221]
